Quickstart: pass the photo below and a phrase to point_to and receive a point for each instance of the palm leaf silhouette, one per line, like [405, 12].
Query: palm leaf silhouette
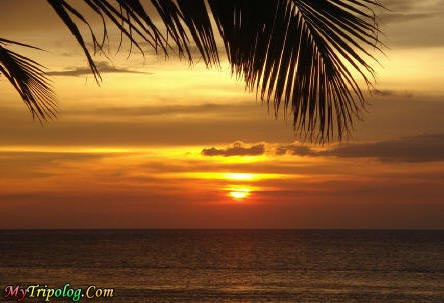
[29, 79]
[298, 55]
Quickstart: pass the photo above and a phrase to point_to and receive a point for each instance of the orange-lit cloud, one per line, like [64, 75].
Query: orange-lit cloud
[236, 150]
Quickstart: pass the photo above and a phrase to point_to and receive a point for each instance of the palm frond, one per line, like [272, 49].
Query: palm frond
[130, 17]
[296, 52]
[300, 55]
[29, 80]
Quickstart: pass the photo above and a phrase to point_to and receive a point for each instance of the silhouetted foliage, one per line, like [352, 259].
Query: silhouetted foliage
[29, 79]
[298, 55]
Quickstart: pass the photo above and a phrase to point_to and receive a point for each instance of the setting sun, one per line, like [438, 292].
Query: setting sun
[240, 193]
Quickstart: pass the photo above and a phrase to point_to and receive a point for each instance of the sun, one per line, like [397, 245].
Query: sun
[240, 193]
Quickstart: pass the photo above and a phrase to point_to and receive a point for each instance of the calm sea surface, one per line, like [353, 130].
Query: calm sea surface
[231, 266]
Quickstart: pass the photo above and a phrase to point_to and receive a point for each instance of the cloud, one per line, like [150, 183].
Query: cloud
[406, 11]
[391, 93]
[300, 150]
[236, 150]
[161, 110]
[424, 148]
[404, 17]
[35, 164]
[155, 121]
[407, 23]
[408, 5]
[103, 67]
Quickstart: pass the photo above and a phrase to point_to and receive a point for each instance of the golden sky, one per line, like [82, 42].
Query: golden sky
[160, 144]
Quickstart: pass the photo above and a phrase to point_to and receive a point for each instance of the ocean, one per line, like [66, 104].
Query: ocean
[240, 266]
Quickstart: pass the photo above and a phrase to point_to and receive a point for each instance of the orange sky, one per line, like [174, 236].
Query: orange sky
[163, 145]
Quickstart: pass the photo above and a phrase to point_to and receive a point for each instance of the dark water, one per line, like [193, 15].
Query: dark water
[231, 266]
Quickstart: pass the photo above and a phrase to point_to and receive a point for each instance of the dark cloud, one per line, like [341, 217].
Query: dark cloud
[425, 148]
[300, 150]
[391, 93]
[103, 67]
[236, 150]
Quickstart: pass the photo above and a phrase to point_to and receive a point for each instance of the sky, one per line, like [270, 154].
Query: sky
[162, 144]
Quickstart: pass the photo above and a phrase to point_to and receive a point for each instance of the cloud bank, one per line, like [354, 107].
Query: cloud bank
[424, 148]
[236, 150]
[103, 67]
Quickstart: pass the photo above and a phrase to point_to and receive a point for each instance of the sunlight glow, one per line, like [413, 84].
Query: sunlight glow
[241, 176]
[240, 193]
[246, 177]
